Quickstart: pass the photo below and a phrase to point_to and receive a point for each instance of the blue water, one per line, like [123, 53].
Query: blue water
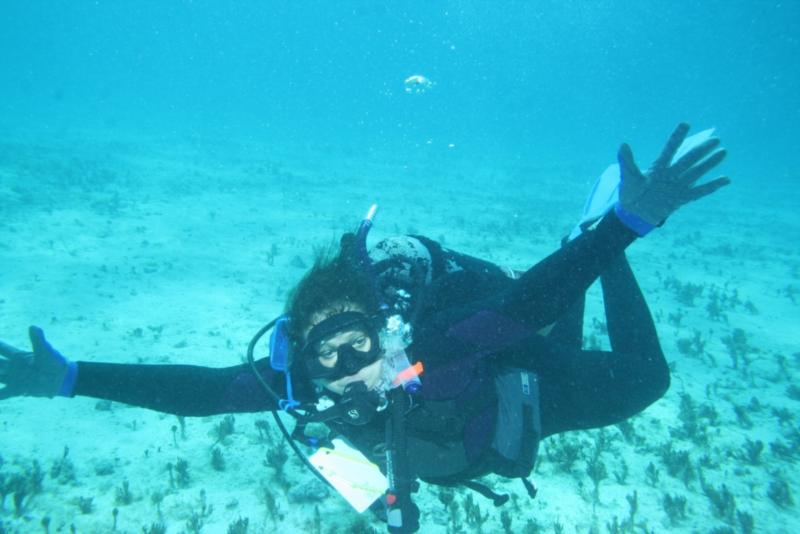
[551, 87]
[551, 81]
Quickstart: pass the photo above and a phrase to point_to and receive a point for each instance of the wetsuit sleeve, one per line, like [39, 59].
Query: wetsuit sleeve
[185, 390]
[545, 292]
[521, 307]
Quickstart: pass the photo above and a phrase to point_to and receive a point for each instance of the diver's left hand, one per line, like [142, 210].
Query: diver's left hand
[647, 199]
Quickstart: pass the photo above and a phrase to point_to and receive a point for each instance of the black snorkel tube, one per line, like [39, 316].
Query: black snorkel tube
[363, 255]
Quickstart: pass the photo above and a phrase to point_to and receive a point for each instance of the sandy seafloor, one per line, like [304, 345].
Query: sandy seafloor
[178, 250]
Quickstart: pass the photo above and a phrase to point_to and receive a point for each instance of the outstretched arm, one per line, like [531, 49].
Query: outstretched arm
[186, 390]
[545, 292]
[179, 389]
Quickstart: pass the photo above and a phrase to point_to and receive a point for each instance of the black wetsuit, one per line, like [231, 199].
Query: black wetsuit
[469, 318]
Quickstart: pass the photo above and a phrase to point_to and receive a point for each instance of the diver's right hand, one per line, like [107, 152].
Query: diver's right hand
[41, 373]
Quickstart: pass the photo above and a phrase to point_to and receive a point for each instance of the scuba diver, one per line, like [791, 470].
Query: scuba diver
[433, 365]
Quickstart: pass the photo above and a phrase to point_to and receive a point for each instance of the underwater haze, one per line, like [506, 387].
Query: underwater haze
[544, 81]
[168, 168]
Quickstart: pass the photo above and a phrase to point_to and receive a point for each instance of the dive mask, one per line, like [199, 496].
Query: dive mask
[349, 360]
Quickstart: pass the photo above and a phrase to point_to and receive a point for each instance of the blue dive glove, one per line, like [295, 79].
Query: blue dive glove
[647, 199]
[41, 373]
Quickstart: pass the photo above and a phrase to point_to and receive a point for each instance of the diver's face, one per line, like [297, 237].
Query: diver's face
[328, 355]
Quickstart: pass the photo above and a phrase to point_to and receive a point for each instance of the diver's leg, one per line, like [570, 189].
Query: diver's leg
[631, 329]
[589, 389]
[568, 330]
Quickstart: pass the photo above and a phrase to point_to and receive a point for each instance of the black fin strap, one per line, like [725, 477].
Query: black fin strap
[496, 498]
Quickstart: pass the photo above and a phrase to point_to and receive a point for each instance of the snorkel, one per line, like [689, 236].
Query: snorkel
[361, 242]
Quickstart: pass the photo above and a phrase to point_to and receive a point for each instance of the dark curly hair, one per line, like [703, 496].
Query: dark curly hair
[335, 280]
